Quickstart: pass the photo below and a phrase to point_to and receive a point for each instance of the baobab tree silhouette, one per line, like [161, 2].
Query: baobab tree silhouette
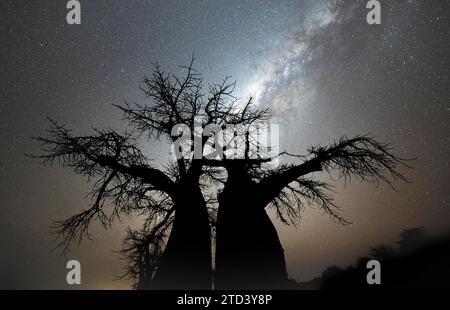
[249, 254]
[173, 249]
[170, 198]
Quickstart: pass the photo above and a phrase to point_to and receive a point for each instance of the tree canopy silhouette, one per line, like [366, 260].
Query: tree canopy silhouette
[177, 199]
[170, 198]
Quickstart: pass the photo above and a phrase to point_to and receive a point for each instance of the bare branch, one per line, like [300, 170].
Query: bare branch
[361, 156]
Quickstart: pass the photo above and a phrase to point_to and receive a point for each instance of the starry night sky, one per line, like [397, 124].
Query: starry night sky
[321, 68]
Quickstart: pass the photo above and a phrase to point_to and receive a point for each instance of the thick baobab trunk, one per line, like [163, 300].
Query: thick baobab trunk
[186, 261]
[249, 254]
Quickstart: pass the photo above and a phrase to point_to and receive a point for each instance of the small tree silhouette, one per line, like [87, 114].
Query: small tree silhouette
[411, 239]
[382, 252]
[143, 252]
[331, 272]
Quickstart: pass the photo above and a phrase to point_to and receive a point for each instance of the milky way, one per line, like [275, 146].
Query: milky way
[320, 67]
